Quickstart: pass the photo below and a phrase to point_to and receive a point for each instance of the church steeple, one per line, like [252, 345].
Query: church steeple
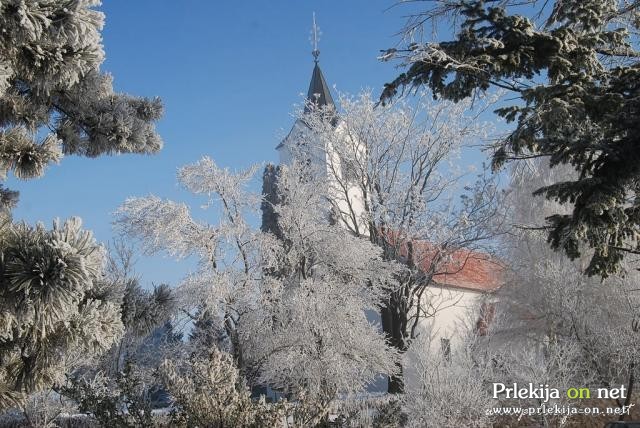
[319, 92]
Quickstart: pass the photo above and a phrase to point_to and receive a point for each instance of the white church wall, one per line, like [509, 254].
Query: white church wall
[450, 312]
[347, 195]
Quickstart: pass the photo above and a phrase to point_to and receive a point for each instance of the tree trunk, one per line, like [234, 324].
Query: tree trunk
[394, 315]
[393, 325]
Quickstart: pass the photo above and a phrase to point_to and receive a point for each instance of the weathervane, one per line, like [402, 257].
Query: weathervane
[315, 38]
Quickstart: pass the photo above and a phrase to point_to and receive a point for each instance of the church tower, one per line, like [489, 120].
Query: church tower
[322, 159]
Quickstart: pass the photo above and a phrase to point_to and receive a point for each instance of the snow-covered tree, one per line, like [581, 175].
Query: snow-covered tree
[229, 252]
[448, 389]
[142, 310]
[51, 87]
[289, 309]
[569, 329]
[124, 376]
[315, 341]
[394, 181]
[206, 332]
[53, 97]
[123, 403]
[55, 306]
[572, 67]
[209, 391]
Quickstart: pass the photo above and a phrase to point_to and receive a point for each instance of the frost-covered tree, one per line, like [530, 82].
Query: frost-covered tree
[142, 310]
[123, 405]
[209, 391]
[451, 389]
[572, 66]
[206, 332]
[290, 310]
[53, 97]
[570, 329]
[229, 252]
[123, 377]
[122, 387]
[315, 341]
[395, 182]
[55, 306]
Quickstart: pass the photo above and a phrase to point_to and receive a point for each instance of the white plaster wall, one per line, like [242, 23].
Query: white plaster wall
[351, 204]
[452, 310]
[449, 312]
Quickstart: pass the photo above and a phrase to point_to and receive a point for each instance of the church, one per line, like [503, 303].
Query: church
[465, 292]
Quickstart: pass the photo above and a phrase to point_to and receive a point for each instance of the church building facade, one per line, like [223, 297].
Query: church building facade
[455, 298]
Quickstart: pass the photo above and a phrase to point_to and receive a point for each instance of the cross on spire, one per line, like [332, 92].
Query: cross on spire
[319, 93]
[315, 38]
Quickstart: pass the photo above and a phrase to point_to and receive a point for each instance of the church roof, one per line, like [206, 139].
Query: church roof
[469, 270]
[319, 92]
[461, 268]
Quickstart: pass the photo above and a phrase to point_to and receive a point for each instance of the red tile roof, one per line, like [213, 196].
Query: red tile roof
[471, 270]
[462, 268]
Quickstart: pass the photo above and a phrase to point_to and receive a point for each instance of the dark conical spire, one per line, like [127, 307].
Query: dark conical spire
[319, 92]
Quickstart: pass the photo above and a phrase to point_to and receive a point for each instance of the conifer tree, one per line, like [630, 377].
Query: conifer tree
[50, 54]
[55, 304]
[573, 67]
[55, 307]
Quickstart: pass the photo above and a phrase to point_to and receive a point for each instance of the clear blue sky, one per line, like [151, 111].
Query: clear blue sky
[229, 73]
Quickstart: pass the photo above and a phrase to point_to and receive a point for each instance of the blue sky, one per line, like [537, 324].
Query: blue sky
[229, 74]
